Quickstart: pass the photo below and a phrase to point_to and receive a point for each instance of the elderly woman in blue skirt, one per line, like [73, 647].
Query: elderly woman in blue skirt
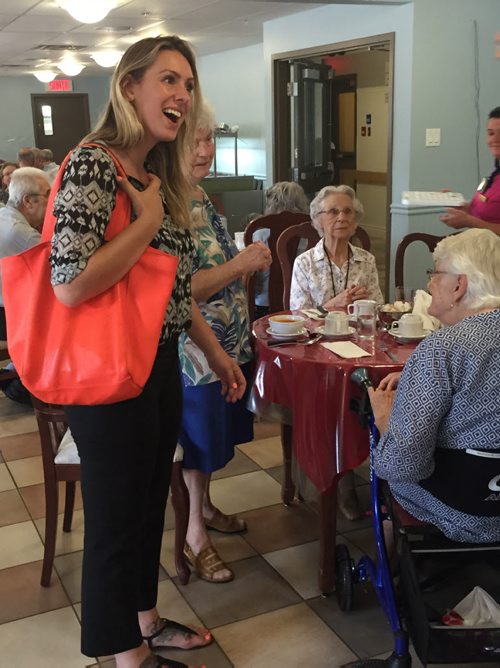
[211, 426]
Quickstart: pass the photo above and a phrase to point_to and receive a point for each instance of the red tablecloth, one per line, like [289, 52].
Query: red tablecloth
[313, 385]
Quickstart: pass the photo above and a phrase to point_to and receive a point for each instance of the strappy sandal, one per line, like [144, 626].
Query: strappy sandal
[169, 624]
[170, 663]
[155, 661]
[207, 563]
[225, 523]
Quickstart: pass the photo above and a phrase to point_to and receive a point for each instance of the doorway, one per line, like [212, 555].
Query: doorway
[356, 138]
[60, 121]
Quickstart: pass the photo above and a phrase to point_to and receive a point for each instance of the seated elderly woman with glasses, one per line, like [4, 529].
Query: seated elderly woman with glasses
[334, 273]
[440, 430]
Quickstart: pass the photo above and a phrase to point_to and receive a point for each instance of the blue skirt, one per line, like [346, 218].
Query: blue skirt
[211, 426]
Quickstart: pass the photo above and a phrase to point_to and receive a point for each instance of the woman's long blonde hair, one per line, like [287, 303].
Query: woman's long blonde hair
[119, 125]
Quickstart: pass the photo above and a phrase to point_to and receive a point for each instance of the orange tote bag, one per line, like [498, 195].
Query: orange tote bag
[101, 351]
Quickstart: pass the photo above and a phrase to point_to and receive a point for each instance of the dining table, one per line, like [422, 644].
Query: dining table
[308, 388]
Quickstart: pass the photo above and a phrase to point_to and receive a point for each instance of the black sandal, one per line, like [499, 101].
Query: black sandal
[170, 663]
[155, 661]
[176, 626]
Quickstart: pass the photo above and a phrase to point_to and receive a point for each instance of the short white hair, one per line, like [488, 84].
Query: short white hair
[25, 181]
[317, 203]
[476, 254]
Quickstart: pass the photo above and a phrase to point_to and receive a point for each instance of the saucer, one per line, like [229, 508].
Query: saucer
[321, 330]
[280, 335]
[409, 339]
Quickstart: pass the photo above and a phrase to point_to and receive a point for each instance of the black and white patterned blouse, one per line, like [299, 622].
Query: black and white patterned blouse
[448, 397]
[83, 208]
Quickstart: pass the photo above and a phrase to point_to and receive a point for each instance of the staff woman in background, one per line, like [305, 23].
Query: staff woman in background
[210, 426]
[126, 448]
[483, 211]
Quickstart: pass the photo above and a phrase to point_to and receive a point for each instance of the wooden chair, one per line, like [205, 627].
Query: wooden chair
[52, 427]
[288, 244]
[276, 223]
[429, 239]
[57, 444]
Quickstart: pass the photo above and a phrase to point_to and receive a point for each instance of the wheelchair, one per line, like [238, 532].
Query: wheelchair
[435, 573]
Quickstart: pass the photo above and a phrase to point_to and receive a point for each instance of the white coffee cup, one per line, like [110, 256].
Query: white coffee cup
[362, 307]
[410, 324]
[337, 322]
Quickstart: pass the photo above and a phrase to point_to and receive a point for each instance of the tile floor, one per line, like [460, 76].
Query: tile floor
[270, 616]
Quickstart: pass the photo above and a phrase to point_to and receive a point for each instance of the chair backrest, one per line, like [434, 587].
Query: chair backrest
[288, 245]
[286, 250]
[431, 242]
[276, 223]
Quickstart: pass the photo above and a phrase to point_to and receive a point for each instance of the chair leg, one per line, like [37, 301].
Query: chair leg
[69, 505]
[287, 487]
[51, 506]
[180, 503]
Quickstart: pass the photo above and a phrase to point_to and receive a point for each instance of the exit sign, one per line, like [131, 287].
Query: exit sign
[60, 85]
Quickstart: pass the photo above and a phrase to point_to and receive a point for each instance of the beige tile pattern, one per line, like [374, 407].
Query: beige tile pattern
[297, 566]
[266, 452]
[269, 616]
[18, 424]
[48, 640]
[6, 481]
[66, 542]
[245, 492]
[292, 636]
[19, 544]
[27, 471]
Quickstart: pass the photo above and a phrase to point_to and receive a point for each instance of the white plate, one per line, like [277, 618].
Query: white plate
[280, 335]
[321, 330]
[409, 339]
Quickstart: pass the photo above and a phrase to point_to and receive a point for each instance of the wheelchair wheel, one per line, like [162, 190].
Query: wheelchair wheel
[344, 577]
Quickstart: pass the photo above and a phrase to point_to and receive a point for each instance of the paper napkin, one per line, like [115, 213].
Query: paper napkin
[346, 349]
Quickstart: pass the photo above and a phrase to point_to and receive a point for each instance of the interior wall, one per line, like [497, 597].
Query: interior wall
[444, 91]
[16, 128]
[338, 23]
[233, 82]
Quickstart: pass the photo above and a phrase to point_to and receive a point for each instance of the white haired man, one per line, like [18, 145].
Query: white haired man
[20, 222]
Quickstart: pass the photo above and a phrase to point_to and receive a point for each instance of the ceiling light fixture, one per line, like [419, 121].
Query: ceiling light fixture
[107, 58]
[70, 67]
[45, 75]
[88, 11]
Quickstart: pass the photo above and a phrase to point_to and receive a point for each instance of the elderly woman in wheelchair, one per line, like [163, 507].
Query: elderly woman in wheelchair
[439, 419]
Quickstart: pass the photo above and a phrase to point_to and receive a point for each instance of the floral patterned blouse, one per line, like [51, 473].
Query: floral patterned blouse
[312, 281]
[83, 208]
[225, 311]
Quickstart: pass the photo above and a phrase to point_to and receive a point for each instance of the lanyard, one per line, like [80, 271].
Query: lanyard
[331, 268]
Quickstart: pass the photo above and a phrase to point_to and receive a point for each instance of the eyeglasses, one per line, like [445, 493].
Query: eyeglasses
[434, 272]
[45, 194]
[334, 212]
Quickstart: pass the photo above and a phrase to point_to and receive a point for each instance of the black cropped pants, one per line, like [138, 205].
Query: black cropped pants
[126, 452]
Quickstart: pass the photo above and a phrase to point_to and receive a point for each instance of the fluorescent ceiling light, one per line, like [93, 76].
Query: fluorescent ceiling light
[70, 67]
[88, 11]
[107, 58]
[45, 75]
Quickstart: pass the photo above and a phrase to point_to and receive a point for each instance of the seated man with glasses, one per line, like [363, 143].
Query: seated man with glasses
[20, 222]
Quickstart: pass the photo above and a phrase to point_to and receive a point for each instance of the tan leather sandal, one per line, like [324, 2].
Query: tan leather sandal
[207, 563]
[225, 523]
